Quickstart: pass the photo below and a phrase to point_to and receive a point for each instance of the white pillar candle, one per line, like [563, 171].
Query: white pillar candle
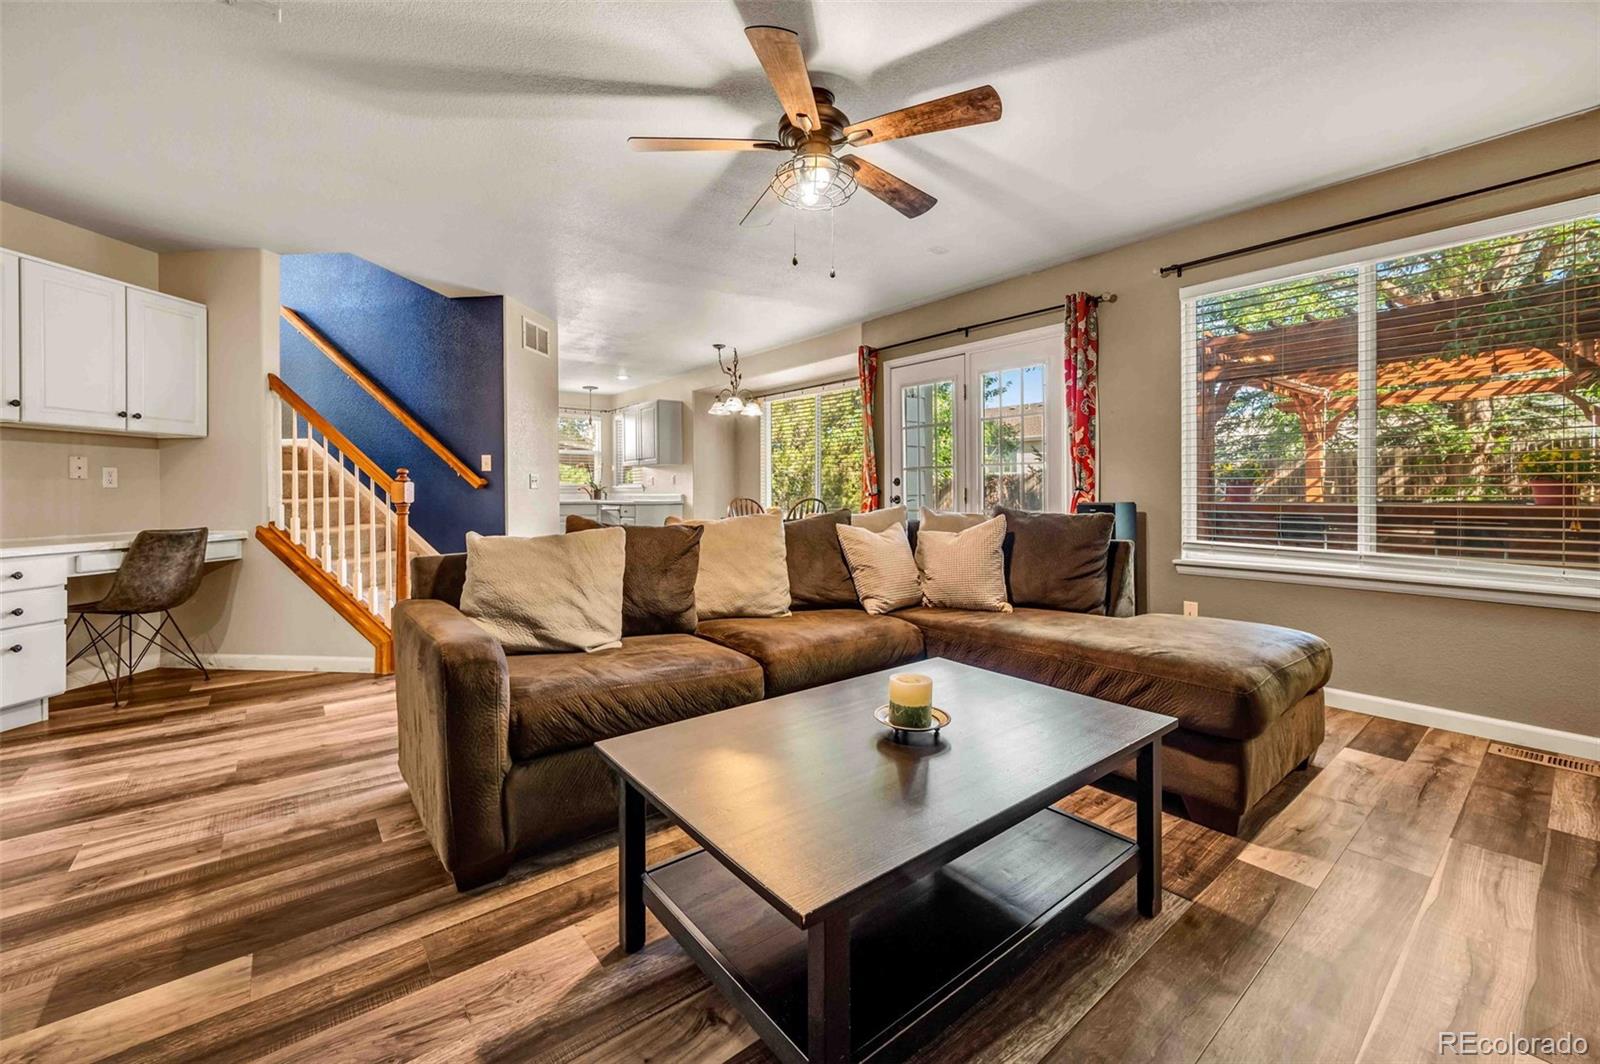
[911, 689]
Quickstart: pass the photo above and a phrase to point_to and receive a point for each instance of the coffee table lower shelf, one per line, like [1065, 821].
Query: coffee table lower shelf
[917, 959]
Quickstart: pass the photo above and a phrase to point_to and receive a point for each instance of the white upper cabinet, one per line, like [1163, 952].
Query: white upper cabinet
[74, 348]
[87, 352]
[10, 339]
[166, 365]
[652, 433]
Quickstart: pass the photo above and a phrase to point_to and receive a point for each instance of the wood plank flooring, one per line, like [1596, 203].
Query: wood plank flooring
[231, 870]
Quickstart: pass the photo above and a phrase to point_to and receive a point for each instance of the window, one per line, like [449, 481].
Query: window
[1013, 424]
[1425, 413]
[812, 447]
[622, 474]
[578, 444]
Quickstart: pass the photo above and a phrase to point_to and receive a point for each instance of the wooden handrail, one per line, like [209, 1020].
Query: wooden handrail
[333, 435]
[387, 401]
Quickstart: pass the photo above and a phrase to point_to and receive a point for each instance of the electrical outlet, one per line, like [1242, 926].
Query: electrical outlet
[1191, 609]
[77, 467]
[533, 482]
[108, 476]
[486, 463]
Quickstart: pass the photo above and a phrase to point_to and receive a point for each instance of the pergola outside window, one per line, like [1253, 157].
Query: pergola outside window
[1426, 412]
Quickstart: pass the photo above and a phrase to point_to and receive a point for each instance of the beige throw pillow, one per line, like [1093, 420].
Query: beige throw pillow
[878, 520]
[952, 521]
[744, 568]
[964, 570]
[881, 565]
[547, 593]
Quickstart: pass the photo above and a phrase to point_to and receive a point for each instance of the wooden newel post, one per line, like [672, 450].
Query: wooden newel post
[402, 511]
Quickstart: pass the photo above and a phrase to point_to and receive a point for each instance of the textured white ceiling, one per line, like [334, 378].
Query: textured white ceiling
[483, 144]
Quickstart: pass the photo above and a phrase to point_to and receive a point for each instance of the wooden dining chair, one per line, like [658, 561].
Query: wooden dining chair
[742, 507]
[807, 508]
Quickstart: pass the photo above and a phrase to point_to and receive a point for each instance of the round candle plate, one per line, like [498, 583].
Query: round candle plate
[941, 719]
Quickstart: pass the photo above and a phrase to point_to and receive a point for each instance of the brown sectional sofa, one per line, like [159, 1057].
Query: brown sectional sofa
[498, 750]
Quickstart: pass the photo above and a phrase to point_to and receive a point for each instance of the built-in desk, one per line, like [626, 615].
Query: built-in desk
[33, 610]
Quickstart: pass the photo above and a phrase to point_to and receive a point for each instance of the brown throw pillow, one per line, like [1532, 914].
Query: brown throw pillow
[658, 579]
[1058, 561]
[818, 575]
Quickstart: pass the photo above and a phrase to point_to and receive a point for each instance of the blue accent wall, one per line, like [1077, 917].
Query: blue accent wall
[441, 359]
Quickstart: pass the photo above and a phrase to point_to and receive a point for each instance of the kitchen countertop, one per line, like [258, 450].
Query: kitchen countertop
[654, 498]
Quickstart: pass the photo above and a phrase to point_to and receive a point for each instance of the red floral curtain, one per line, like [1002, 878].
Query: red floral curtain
[867, 372]
[1083, 396]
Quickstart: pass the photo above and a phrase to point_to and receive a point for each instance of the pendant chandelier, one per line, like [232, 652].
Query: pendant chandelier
[733, 399]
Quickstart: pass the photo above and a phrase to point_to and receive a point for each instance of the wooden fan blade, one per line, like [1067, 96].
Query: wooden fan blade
[780, 55]
[903, 196]
[701, 144]
[971, 108]
[760, 213]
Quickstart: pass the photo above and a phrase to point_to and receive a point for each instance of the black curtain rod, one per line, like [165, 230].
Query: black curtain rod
[966, 330]
[1177, 268]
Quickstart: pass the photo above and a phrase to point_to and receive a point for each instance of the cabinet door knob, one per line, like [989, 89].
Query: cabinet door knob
[14, 402]
[122, 413]
[15, 648]
[136, 417]
[17, 575]
[17, 612]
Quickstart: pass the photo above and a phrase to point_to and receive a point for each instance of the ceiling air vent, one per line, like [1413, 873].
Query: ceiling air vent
[535, 337]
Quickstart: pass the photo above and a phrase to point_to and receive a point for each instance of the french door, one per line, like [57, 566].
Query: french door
[979, 427]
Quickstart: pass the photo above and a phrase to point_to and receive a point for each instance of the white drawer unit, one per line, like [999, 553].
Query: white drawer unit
[33, 662]
[20, 574]
[37, 605]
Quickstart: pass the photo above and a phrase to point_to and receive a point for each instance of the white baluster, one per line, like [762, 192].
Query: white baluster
[372, 543]
[356, 583]
[294, 475]
[327, 508]
[275, 505]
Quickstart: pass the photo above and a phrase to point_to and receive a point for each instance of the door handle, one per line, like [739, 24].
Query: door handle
[894, 498]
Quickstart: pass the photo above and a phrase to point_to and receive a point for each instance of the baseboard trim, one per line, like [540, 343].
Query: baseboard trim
[285, 662]
[1507, 731]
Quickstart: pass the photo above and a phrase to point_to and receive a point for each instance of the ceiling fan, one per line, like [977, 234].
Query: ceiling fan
[812, 129]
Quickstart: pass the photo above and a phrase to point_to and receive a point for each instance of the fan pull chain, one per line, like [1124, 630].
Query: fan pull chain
[794, 231]
[831, 256]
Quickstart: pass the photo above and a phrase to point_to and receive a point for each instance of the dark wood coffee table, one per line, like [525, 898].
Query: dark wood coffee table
[852, 894]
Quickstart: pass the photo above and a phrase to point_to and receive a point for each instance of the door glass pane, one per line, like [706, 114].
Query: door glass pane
[928, 445]
[1013, 417]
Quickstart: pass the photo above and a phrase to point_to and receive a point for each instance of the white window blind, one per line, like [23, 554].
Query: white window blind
[1424, 412]
[621, 474]
[812, 448]
[578, 445]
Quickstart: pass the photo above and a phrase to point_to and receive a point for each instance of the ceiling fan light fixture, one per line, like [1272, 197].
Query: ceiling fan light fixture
[814, 182]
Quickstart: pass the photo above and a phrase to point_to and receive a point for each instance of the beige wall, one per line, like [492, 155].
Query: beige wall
[531, 400]
[1531, 664]
[255, 612]
[37, 499]
[34, 234]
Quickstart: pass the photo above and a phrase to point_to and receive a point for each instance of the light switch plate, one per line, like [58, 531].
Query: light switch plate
[485, 463]
[108, 476]
[533, 482]
[1191, 609]
[77, 467]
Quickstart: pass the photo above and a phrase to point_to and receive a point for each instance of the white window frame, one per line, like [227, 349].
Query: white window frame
[766, 401]
[573, 491]
[1365, 568]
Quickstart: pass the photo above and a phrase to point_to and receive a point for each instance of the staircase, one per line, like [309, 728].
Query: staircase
[336, 518]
